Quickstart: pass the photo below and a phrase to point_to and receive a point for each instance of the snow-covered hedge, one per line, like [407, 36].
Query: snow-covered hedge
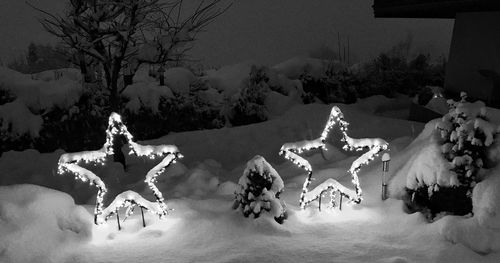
[258, 190]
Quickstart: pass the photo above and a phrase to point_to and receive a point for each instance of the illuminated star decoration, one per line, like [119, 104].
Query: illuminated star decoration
[291, 152]
[69, 162]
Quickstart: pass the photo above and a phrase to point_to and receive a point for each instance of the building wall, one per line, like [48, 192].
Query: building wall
[475, 46]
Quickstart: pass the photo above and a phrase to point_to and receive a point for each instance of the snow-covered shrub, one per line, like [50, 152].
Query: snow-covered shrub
[250, 105]
[22, 126]
[390, 73]
[42, 115]
[259, 189]
[34, 113]
[465, 136]
[78, 127]
[179, 79]
[337, 84]
[176, 112]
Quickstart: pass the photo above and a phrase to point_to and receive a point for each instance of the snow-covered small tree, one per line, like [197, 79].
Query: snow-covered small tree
[259, 189]
[465, 135]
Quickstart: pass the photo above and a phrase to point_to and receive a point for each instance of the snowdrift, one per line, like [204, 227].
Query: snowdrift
[38, 224]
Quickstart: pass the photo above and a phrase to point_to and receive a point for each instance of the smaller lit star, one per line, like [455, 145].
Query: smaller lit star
[291, 152]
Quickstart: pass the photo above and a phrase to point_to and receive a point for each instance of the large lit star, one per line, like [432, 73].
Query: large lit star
[69, 162]
[292, 150]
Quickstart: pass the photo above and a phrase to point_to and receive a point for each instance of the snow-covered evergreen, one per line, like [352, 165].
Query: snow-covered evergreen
[466, 134]
[259, 189]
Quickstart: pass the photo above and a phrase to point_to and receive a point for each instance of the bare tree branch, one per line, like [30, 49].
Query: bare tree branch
[114, 32]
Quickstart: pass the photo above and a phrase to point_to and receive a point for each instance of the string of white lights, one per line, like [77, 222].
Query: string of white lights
[70, 162]
[290, 152]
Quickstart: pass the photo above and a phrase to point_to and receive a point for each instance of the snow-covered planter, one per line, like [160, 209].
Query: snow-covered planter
[259, 189]
[465, 136]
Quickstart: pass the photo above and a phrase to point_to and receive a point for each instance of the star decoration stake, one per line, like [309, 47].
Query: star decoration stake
[69, 162]
[291, 152]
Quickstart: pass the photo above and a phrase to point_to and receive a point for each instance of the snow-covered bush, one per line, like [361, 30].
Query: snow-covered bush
[259, 189]
[337, 84]
[180, 112]
[390, 73]
[39, 114]
[465, 136]
[250, 105]
[69, 127]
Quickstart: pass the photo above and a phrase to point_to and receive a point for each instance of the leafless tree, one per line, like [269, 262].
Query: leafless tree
[115, 32]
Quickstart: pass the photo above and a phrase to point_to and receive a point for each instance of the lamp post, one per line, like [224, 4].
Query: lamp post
[386, 158]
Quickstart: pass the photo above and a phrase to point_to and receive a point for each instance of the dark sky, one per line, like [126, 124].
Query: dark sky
[266, 31]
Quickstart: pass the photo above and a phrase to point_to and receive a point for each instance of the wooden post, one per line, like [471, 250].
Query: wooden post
[340, 205]
[143, 221]
[320, 202]
[386, 158]
[118, 220]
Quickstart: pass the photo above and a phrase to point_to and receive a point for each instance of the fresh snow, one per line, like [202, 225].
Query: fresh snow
[39, 224]
[43, 225]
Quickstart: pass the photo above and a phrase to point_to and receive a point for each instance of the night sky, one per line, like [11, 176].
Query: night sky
[263, 31]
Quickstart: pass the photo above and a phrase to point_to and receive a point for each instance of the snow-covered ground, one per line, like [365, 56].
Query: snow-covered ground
[42, 225]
